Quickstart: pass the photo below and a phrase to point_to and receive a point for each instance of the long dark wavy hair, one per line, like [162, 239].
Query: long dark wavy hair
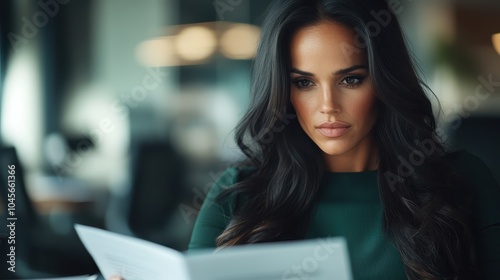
[426, 211]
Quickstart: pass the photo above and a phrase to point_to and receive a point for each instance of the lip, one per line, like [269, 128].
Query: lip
[333, 129]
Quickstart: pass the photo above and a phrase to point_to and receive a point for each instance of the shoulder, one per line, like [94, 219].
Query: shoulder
[227, 179]
[464, 160]
[472, 168]
[485, 188]
[220, 194]
[218, 207]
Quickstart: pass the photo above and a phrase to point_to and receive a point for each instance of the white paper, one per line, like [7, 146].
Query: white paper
[135, 259]
[131, 258]
[316, 259]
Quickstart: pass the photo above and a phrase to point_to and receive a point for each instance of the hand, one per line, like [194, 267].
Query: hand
[115, 277]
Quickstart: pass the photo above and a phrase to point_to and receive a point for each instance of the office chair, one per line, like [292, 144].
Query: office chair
[40, 252]
[156, 187]
[26, 219]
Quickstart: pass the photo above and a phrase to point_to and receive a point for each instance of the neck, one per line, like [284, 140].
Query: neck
[363, 157]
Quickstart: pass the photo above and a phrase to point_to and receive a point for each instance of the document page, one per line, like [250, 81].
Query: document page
[136, 259]
[132, 258]
[315, 259]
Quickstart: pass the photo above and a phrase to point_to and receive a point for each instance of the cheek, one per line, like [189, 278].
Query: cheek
[302, 106]
[366, 109]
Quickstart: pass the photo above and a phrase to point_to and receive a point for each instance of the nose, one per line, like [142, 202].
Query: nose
[329, 103]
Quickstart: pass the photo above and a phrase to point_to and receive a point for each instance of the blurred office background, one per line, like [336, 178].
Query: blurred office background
[119, 113]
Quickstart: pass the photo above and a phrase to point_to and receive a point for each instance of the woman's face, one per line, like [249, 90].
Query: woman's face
[331, 90]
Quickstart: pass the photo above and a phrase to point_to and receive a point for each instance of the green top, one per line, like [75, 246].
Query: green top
[350, 206]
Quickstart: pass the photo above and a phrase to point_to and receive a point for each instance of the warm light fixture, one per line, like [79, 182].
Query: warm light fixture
[191, 44]
[240, 41]
[195, 43]
[496, 42]
[158, 52]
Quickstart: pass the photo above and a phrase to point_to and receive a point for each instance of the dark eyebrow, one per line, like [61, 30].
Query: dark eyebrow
[337, 73]
[349, 69]
[304, 73]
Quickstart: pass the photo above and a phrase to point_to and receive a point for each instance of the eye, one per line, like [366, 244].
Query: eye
[302, 83]
[352, 81]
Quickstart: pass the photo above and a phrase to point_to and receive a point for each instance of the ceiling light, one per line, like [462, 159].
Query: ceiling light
[195, 43]
[157, 52]
[240, 41]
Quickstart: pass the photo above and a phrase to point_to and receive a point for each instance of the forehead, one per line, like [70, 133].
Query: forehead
[325, 42]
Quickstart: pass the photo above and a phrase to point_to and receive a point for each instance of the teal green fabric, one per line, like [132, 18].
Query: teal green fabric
[349, 206]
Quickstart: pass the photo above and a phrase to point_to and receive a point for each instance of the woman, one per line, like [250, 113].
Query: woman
[341, 141]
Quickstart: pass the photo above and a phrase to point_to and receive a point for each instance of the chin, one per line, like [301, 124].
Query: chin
[333, 150]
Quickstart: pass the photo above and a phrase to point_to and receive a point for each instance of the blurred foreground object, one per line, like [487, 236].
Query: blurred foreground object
[496, 42]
